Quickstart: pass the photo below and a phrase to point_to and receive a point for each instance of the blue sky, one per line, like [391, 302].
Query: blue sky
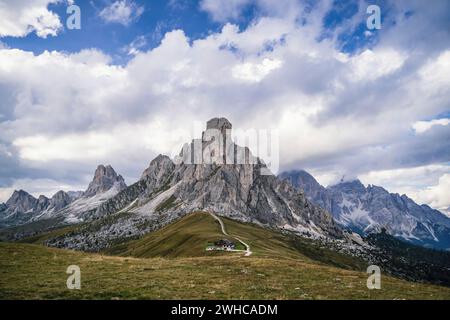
[367, 104]
[159, 17]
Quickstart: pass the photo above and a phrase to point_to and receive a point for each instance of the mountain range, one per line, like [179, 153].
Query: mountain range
[232, 183]
[169, 189]
[22, 208]
[370, 209]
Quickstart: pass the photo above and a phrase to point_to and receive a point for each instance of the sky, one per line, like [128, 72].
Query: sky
[134, 80]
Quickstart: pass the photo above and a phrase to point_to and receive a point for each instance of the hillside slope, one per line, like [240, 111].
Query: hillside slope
[36, 272]
[189, 236]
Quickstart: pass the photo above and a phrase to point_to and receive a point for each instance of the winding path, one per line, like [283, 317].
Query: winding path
[247, 250]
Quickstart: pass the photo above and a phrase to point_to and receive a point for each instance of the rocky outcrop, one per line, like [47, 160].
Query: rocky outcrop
[305, 182]
[210, 174]
[21, 201]
[105, 185]
[60, 200]
[42, 204]
[104, 179]
[20, 208]
[74, 195]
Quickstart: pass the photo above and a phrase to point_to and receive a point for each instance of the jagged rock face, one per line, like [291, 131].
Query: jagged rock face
[170, 189]
[158, 168]
[221, 124]
[105, 185]
[68, 207]
[239, 191]
[74, 195]
[104, 179]
[367, 209]
[21, 201]
[60, 200]
[20, 208]
[304, 180]
[23, 207]
[42, 204]
[312, 189]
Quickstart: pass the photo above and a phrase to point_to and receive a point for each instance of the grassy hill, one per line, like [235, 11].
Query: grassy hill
[30, 271]
[172, 263]
[189, 236]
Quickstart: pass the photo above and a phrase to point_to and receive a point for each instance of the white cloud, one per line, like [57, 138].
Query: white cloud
[425, 184]
[423, 126]
[223, 10]
[255, 72]
[101, 144]
[399, 180]
[437, 71]
[437, 196]
[69, 147]
[19, 18]
[74, 111]
[370, 65]
[122, 11]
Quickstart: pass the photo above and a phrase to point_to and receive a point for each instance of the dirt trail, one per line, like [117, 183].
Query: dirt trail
[247, 250]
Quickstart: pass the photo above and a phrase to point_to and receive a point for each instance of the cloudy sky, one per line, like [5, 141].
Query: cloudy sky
[137, 76]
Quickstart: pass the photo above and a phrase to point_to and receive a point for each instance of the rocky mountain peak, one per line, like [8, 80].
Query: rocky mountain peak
[161, 161]
[301, 178]
[376, 188]
[104, 179]
[75, 194]
[221, 124]
[365, 210]
[313, 190]
[104, 171]
[216, 147]
[60, 200]
[42, 203]
[216, 141]
[22, 207]
[18, 194]
[158, 166]
[350, 186]
[60, 195]
[21, 200]
[240, 189]
[192, 182]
